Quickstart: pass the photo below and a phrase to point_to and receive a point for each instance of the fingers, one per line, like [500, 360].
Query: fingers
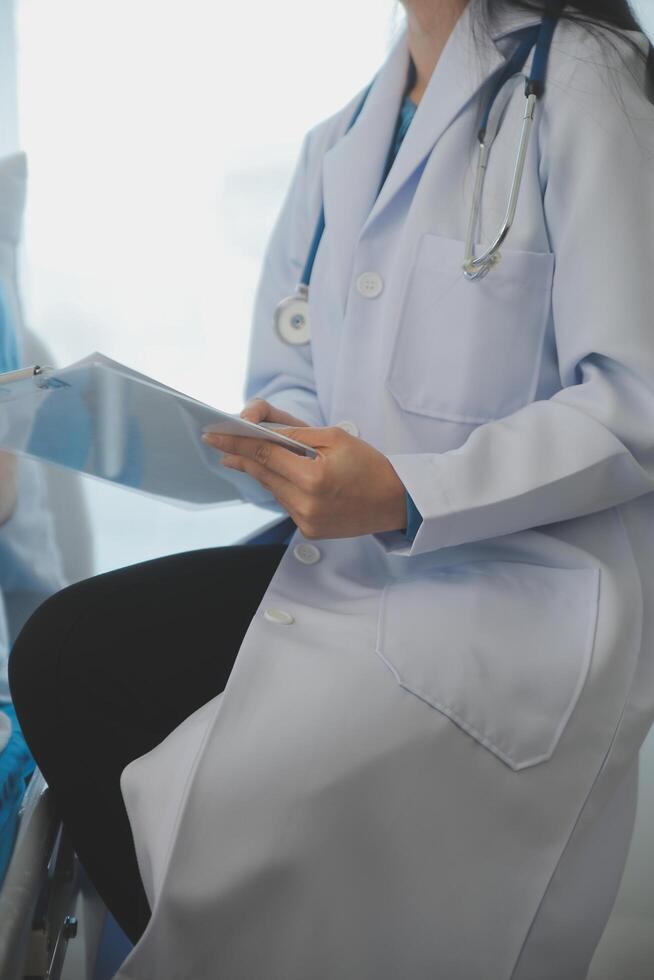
[259, 410]
[267, 455]
[283, 461]
[326, 436]
[288, 495]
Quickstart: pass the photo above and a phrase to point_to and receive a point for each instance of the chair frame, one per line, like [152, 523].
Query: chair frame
[38, 897]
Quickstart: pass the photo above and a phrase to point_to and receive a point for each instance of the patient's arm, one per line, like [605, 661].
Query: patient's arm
[8, 468]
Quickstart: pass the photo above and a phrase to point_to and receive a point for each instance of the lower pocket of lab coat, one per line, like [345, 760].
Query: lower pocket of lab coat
[470, 351]
[502, 648]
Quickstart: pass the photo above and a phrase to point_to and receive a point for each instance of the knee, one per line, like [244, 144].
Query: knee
[33, 662]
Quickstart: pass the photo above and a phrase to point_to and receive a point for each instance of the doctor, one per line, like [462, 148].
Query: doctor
[424, 761]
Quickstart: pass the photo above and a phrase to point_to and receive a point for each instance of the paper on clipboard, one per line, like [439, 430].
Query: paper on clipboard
[102, 418]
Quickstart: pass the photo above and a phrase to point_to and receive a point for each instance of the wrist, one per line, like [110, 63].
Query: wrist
[397, 516]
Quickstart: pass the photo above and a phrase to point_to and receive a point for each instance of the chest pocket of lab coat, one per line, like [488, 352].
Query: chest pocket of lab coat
[470, 351]
[501, 648]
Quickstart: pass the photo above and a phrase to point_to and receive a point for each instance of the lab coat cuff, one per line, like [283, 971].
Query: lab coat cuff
[421, 475]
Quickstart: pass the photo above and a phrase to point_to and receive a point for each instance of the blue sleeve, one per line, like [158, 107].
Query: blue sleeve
[413, 517]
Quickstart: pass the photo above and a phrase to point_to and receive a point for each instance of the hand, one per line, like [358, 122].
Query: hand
[259, 410]
[348, 489]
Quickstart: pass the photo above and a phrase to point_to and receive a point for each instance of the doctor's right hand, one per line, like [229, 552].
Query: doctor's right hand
[259, 410]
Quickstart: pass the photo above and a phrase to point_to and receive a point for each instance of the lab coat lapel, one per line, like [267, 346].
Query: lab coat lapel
[464, 66]
[354, 166]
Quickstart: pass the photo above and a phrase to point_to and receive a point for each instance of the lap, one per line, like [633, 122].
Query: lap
[155, 640]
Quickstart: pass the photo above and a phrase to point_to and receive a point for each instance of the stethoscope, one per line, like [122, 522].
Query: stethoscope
[291, 318]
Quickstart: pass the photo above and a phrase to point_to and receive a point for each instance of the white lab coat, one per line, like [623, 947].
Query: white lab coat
[431, 771]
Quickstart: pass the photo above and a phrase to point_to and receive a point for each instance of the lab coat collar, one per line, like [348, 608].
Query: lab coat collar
[508, 20]
[354, 166]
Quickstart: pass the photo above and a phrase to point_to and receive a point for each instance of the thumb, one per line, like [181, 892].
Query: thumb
[310, 435]
[255, 410]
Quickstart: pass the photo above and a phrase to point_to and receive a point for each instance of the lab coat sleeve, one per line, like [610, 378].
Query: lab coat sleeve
[591, 445]
[279, 372]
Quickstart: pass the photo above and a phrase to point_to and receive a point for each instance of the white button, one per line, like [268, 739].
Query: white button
[370, 284]
[348, 426]
[308, 554]
[279, 616]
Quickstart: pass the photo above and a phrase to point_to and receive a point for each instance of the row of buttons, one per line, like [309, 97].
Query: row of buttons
[308, 554]
[370, 286]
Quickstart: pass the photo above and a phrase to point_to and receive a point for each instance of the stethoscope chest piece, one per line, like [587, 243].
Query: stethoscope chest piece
[292, 320]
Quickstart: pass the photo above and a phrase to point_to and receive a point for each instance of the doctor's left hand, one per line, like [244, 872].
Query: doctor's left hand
[349, 489]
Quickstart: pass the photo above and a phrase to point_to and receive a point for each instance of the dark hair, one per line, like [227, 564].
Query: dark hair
[616, 15]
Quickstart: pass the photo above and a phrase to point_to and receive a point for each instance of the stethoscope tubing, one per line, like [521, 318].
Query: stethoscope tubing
[292, 315]
[477, 267]
[305, 279]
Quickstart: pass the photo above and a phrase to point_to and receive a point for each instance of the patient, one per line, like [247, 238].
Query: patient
[8, 468]
[30, 569]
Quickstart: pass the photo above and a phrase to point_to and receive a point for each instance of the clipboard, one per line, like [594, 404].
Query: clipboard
[103, 419]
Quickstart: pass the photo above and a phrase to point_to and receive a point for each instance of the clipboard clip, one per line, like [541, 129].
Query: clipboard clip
[42, 375]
